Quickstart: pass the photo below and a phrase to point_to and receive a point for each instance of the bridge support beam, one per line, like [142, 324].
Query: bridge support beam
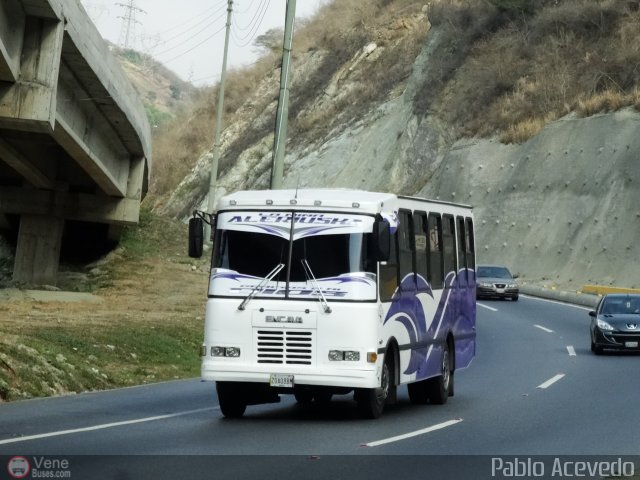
[38, 250]
[11, 36]
[29, 103]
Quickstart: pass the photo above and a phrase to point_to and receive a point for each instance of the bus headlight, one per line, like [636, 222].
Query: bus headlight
[217, 351]
[336, 355]
[346, 355]
[350, 356]
[233, 352]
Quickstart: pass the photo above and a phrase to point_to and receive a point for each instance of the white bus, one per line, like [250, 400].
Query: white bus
[321, 292]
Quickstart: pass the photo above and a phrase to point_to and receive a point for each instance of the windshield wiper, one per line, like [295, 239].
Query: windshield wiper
[261, 285]
[310, 276]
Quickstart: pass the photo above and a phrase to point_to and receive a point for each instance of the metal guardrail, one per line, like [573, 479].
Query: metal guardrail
[576, 298]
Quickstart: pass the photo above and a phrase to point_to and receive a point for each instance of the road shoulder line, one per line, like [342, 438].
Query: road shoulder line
[101, 427]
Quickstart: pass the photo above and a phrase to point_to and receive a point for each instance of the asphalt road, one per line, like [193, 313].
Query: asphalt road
[534, 389]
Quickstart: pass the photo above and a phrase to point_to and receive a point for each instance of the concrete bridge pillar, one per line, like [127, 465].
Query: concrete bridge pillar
[38, 249]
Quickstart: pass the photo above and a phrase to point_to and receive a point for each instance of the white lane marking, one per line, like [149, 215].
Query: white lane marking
[556, 302]
[543, 328]
[571, 350]
[487, 307]
[103, 426]
[551, 381]
[413, 434]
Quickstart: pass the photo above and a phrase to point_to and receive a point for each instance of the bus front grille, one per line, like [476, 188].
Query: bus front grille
[284, 347]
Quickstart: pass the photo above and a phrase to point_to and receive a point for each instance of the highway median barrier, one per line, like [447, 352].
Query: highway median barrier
[578, 297]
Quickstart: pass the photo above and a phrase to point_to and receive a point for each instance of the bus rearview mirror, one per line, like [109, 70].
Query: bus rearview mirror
[196, 237]
[381, 240]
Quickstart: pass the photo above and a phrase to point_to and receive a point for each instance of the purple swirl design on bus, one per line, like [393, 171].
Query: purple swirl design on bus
[454, 314]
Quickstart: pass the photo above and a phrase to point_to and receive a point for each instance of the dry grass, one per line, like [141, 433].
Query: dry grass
[398, 31]
[578, 55]
[522, 131]
[179, 144]
[607, 101]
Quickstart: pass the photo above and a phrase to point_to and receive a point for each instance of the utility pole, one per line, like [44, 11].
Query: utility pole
[215, 158]
[128, 22]
[277, 171]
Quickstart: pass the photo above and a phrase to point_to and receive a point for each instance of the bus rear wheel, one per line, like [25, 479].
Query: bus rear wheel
[304, 396]
[232, 404]
[434, 390]
[438, 388]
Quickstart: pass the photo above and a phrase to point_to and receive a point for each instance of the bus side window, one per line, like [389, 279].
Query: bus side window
[389, 272]
[436, 272]
[420, 235]
[449, 244]
[471, 245]
[462, 248]
[406, 248]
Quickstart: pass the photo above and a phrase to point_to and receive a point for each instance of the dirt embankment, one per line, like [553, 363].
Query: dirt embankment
[141, 323]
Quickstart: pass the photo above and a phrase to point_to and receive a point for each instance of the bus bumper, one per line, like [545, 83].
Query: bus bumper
[343, 377]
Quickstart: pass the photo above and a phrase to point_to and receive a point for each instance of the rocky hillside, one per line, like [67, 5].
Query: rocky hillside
[162, 92]
[526, 110]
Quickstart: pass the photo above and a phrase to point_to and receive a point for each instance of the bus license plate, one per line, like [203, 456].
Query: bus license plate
[281, 380]
[631, 344]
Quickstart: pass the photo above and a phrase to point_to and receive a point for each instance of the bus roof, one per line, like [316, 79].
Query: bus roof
[320, 198]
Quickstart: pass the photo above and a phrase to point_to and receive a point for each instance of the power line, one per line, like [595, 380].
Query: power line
[167, 40]
[246, 9]
[252, 34]
[206, 27]
[187, 21]
[194, 46]
[253, 19]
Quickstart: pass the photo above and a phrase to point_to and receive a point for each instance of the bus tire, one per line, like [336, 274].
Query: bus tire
[418, 392]
[304, 397]
[371, 401]
[232, 405]
[322, 397]
[438, 388]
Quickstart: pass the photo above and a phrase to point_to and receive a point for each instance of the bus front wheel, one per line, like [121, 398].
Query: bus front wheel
[232, 403]
[371, 401]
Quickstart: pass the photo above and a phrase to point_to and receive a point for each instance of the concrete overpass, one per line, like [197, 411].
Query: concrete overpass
[74, 139]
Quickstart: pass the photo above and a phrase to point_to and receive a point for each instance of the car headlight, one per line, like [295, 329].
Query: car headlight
[484, 284]
[512, 285]
[602, 325]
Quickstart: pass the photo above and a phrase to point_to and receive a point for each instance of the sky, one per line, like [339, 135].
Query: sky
[187, 36]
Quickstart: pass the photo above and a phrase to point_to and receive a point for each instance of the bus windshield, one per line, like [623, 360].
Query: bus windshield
[336, 249]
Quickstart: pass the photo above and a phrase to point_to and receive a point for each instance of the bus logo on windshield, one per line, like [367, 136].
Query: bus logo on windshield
[283, 319]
